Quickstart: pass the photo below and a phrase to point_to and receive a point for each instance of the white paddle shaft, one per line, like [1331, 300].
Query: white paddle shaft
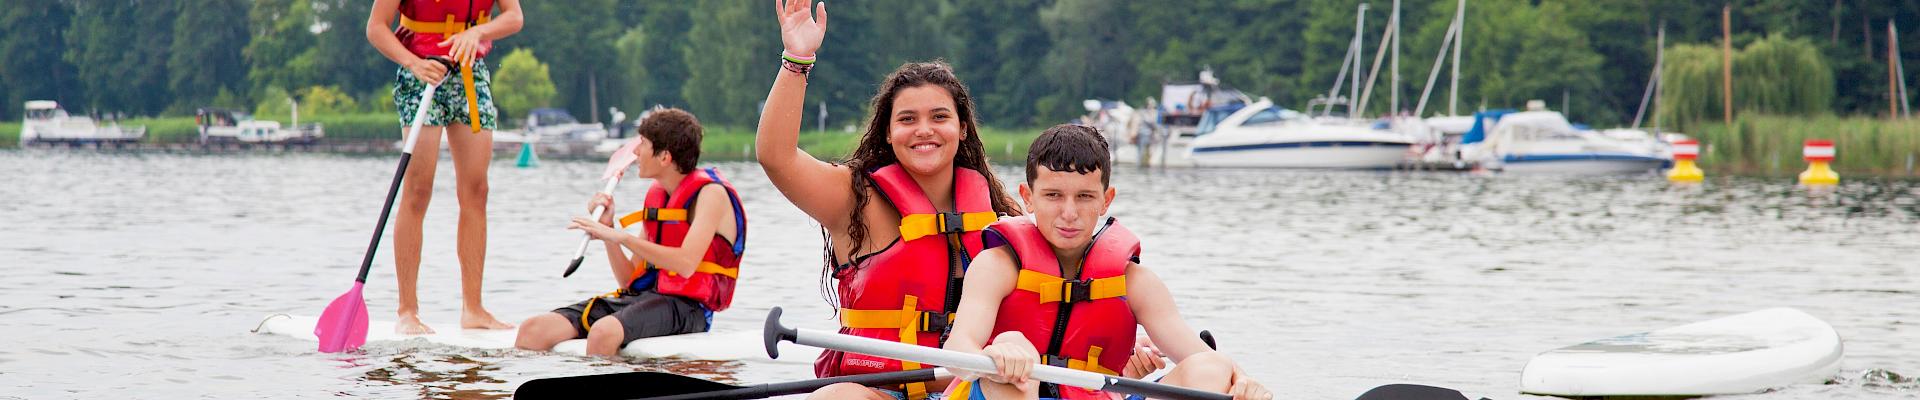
[945, 358]
[586, 239]
[419, 114]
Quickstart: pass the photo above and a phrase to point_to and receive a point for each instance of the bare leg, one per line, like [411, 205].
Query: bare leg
[845, 390]
[1209, 371]
[603, 339]
[472, 154]
[543, 331]
[416, 192]
[997, 391]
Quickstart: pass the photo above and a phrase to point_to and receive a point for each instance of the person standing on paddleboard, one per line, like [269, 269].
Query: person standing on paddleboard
[461, 32]
[1067, 279]
[683, 268]
[902, 213]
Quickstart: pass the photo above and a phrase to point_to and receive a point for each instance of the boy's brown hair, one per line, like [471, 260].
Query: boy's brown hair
[676, 132]
[1070, 148]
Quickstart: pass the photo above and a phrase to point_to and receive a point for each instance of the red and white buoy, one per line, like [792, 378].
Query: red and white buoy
[1685, 151]
[1819, 154]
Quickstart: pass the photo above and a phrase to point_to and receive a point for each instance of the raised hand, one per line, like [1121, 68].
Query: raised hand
[801, 28]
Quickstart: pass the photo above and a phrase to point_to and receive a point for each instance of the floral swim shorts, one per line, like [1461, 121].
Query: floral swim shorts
[449, 101]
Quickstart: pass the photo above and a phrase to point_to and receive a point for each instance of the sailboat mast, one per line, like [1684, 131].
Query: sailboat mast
[1359, 35]
[1393, 84]
[1653, 79]
[1459, 39]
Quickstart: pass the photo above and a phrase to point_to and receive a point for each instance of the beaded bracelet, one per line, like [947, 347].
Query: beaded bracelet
[797, 68]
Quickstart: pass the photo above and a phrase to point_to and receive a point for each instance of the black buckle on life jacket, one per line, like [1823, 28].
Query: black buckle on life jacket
[1075, 291]
[1054, 360]
[653, 214]
[950, 223]
[932, 322]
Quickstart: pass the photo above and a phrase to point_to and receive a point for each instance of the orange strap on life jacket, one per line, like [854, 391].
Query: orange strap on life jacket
[450, 27]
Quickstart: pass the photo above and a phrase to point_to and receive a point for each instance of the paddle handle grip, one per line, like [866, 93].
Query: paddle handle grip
[971, 361]
[393, 189]
[586, 239]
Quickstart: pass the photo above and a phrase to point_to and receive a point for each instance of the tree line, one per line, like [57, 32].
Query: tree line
[1028, 62]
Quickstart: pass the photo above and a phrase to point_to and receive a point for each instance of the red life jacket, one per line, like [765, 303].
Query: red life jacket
[1080, 322]
[668, 219]
[426, 23]
[907, 292]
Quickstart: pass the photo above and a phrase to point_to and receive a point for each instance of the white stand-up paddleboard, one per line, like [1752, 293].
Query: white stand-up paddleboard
[1745, 353]
[711, 346]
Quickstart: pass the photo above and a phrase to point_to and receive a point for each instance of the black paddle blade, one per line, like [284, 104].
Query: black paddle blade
[1402, 391]
[616, 386]
[570, 267]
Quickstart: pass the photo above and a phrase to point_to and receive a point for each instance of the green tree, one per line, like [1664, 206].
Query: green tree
[326, 100]
[1083, 63]
[578, 37]
[1251, 45]
[522, 83]
[662, 66]
[630, 58]
[1775, 75]
[998, 64]
[277, 57]
[205, 58]
[730, 61]
[32, 36]
[118, 49]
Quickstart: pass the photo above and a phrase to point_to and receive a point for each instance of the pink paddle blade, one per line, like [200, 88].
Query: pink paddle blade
[617, 165]
[343, 326]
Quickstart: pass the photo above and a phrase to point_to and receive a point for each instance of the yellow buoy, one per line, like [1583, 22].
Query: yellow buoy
[1684, 170]
[1819, 154]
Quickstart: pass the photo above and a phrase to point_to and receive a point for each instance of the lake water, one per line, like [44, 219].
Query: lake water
[140, 275]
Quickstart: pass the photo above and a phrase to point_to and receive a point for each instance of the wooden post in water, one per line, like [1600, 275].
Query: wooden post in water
[1726, 62]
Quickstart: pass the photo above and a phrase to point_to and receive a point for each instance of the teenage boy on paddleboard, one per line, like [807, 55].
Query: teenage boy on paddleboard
[1062, 286]
[683, 266]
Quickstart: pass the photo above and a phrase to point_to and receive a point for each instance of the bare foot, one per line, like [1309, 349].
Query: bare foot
[481, 319]
[409, 324]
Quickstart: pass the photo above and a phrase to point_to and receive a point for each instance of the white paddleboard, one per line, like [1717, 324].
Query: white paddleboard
[731, 345]
[1744, 353]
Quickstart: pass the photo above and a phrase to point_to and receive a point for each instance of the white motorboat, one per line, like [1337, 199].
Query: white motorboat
[1266, 136]
[228, 126]
[45, 122]
[1542, 141]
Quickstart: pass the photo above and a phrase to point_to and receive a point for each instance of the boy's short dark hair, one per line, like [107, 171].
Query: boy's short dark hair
[676, 132]
[1070, 148]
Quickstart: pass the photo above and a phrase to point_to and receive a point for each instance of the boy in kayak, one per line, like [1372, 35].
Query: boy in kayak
[681, 269]
[1062, 286]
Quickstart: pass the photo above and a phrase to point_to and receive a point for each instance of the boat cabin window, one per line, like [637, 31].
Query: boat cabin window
[1272, 115]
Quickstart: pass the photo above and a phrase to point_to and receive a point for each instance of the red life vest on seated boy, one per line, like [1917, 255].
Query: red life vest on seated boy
[1080, 322]
[907, 291]
[426, 23]
[668, 219]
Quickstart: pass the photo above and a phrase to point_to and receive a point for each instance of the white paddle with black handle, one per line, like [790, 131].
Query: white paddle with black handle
[616, 167]
[776, 332]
